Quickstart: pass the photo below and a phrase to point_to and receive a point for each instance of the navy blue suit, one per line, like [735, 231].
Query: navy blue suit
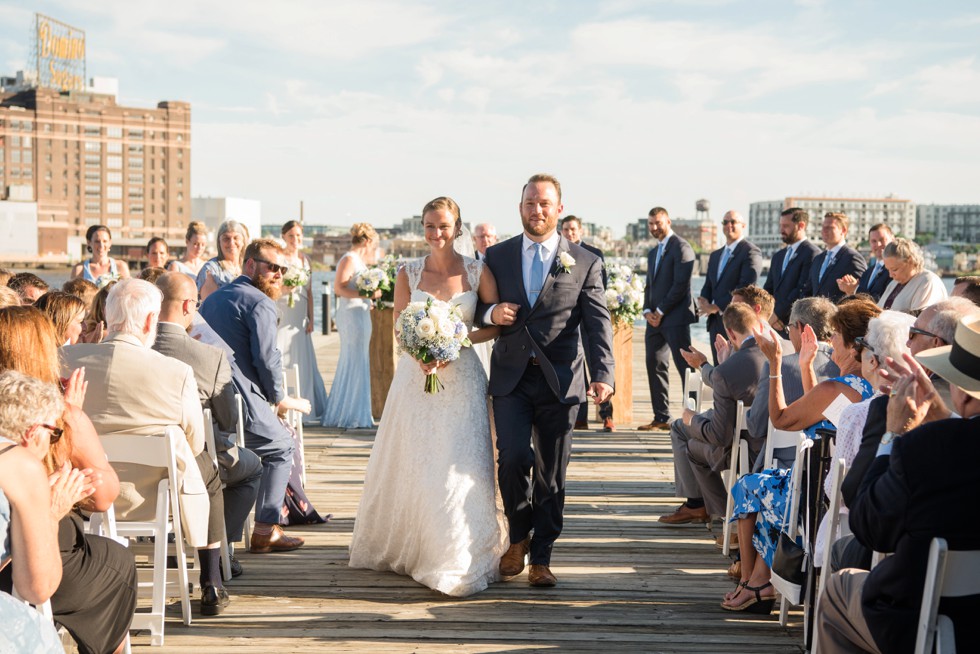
[875, 287]
[787, 287]
[246, 320]
[669, 290]
[847, 262]
[605, 409]
[742, 268]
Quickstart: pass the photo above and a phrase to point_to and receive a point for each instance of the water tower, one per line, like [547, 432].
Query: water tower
[702, 210]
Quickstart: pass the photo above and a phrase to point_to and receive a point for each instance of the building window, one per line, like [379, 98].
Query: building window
[28, 156]
[114, 222]
[114, 162]
[93, 130]
[114, 177]
[136, 179]
[136, 209]
[136, 134]
[114, 132]
[114, 147]
[93, 146]
[93, 190]
[135, 164]
[92, 175]
[15, 156]
[113, 207]
[113, 192]
[94, 160]
[134, 149]
[93, 207]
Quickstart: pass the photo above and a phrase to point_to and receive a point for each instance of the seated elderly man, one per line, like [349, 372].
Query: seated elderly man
[702, 443]
[910, 495]
[133, 389]
[240, 469]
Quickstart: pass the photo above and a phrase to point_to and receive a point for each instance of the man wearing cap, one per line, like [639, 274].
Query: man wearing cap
[922, 485]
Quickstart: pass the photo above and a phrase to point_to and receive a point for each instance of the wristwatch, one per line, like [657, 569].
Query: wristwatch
[889, 437]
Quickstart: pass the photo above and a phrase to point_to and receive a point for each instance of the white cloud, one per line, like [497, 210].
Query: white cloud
[947, 85]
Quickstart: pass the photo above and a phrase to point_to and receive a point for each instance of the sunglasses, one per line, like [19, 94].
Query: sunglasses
[195, 301]
[274, 267]
[729, 222]
[921, 332]
[56, 433]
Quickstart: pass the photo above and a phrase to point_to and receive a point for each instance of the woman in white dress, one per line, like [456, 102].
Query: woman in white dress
[296, 325]
[196, 240]
[430, 507]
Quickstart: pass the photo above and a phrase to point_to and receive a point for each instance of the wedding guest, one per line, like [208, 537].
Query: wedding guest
[100, 268]
[968, 287]
[134, 390]
[157, 253]
[232, 238]
[738, 263]
[66, 312]
[790, 267]
[669, 312]
[875, 278]
[28, 528]
[28, 286]
[81, 288]
[196, 241]
[349, 403]
[295, 329]
[912, 288]
[764, 495]
[93, 329]
[8, 297]
[152, 274]
[484, 235]
[837, 261]
[906, 500]
[243, 313]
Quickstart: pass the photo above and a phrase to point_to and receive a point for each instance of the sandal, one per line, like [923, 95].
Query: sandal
[735, 570]
[758, 604]
[739, 585]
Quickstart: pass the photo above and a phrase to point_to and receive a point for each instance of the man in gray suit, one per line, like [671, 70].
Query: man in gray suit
[702, 442]
[548, 289]
[669, 312]
[241, 470]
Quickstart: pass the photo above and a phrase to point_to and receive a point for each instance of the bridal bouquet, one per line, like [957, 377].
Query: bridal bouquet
[380, 277]
[624, 294]
[295, 278]
[432, 331]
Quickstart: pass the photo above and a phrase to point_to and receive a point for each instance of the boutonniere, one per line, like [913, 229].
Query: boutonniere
[565, 262]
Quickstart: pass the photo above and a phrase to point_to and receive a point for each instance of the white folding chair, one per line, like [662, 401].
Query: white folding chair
[796, 485]
[693, 388]
[240, 434]
[737, 466]
[950, 573]
[213, 452]
[295, 418]
[157, 452]
[837, 470]
[779, 439]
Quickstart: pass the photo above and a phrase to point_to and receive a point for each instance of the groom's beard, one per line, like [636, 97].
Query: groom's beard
[272, 289]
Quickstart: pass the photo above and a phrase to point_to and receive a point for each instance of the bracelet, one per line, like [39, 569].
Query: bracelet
[775, 376]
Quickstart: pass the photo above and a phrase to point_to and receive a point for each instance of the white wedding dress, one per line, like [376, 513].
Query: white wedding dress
[430, 507]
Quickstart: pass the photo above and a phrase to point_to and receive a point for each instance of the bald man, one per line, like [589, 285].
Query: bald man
[484, 235]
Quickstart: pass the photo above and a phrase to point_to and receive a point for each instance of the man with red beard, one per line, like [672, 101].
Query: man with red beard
[243, 313]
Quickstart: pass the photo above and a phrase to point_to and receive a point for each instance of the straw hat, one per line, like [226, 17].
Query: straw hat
[959, 363]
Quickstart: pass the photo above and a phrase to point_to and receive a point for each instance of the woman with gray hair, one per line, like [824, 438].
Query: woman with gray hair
[232, 238]
[912, 288]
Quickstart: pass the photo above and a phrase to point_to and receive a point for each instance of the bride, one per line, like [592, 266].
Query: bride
[429, 508]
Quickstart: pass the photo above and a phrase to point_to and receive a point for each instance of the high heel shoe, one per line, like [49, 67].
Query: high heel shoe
[758, 604]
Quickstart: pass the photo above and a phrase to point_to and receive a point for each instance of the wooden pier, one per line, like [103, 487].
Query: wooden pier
[626, 582]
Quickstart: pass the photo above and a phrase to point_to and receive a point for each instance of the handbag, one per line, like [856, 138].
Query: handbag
[790, 561]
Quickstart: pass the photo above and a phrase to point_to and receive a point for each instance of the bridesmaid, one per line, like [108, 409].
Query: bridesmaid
[349, 404]
[296, 325]
[100, 265]
[157, 253]
[197, 242]
[232, 239]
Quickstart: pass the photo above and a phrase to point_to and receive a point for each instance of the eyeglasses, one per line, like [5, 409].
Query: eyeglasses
[861, 344]
[56, 433]
[274, 267]
[729, 222]
[921, 332]
[197, 302]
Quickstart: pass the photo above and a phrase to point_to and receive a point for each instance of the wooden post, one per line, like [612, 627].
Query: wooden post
[383, 358]
[622, 400]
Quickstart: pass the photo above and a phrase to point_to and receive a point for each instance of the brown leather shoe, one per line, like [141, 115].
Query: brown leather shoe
[720, 540]
[684, 515]
[581, 425]
[277, 541]
[512, 562]
[655, 426]
[607, 424]
[540, 576]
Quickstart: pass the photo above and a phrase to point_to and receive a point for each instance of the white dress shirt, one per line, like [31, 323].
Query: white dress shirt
[548, 250]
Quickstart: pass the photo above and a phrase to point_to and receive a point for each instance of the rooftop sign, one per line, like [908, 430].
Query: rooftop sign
[59, 51]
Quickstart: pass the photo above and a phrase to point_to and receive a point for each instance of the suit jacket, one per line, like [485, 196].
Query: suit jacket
[787, 287]
[905, 501]
[847, 262]
[550, 329]
[133, 389]
[213, 376]
[670, 288]
[735, 379]
[596, 251]
[743, 268]
[875, 288]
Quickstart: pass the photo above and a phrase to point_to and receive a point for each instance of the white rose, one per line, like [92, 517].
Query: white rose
[446, 328]
[566, 259]
[426, 328]
[612, 299]
[438, 313]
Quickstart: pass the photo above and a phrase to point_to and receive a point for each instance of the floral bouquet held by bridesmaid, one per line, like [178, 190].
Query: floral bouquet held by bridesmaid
[432, 332]
[295, 279]
[379, 278]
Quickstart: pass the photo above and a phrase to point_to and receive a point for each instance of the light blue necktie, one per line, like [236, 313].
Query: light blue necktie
[660, 255]
[826, 264]
[724, 261]
[789, 255]
[537, 274]
[874, 273]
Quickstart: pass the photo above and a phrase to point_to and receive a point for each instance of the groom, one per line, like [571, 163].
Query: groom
[548, 288]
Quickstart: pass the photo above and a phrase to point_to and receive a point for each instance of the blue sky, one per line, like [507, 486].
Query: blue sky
[367, 109]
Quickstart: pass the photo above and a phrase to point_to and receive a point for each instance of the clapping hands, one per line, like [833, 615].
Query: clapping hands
[808, 346]
[913, 398]
[771, 349]
[847, 284]
[694, 358]
[75, 388]
[69, 486]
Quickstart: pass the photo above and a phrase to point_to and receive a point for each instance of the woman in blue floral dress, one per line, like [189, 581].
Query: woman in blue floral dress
[760, 499]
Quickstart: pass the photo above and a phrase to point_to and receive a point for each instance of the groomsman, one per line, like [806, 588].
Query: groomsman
[735, 265]
[875, 278]
[790, 267]
[837, 261]
[484, 235]
[668, 310]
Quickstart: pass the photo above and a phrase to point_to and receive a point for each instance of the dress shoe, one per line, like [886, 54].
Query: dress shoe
[581, 424]
[607, 424]
[540, 576]
[512, 562]
[213, 600]
[236, 568]
[277, 541]
[684, 515]
[656, 425]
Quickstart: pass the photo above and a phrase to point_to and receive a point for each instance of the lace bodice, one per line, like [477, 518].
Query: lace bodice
[465, 300]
